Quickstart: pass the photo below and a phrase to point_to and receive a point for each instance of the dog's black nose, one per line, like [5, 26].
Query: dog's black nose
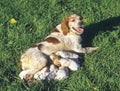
[80, 22]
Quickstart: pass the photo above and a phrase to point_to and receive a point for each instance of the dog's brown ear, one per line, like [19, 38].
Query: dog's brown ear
[64, 26]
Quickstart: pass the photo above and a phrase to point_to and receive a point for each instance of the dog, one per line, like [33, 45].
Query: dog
[66, 36]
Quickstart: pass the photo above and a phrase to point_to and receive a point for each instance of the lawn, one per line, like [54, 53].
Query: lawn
[35, 19]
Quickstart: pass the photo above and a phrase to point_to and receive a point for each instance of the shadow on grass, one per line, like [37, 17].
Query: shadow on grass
[93, 29]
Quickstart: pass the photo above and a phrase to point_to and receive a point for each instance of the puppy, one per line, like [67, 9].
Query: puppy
[46, 73]
[42, 74]
[62, 73]
[71, 63]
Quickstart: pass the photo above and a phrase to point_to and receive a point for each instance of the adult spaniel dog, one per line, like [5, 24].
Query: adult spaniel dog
[66, 36]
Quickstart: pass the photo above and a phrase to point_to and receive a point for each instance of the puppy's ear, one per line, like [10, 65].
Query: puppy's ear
[64, 26]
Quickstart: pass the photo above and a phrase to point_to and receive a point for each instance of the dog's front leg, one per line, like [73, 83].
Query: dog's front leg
[90, 49]
[80, 49]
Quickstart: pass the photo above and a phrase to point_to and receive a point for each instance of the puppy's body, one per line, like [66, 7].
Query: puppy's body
[42, 74]
[54, 73]
[62, 73]
[71, 64]
[66, 59]
[66, 36]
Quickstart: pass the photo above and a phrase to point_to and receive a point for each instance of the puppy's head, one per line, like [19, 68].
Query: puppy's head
[55, 59]
[72, 23]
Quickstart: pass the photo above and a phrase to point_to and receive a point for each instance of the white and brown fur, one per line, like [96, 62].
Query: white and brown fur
[62, 61]
[64, 37]
[66, 59]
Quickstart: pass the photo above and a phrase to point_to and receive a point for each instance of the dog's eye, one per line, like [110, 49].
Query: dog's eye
[73, 20]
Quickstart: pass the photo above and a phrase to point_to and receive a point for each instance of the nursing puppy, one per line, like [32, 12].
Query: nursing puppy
[46, 73]
[66, 36]
[66, 59]
[55, 73]
[62, 73]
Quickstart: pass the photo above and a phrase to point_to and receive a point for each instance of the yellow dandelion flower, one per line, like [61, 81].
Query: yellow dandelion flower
[13, 21]
[84, 20]
[95, 88]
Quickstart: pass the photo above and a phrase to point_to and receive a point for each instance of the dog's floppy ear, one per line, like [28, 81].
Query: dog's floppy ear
[64, 26]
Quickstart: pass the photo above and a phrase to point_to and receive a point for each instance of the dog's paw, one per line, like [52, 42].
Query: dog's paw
[91, 49]
[29, 77]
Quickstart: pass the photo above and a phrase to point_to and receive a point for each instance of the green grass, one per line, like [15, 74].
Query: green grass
[37, 18]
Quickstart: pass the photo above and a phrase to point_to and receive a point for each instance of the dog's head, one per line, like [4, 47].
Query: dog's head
[72, 23]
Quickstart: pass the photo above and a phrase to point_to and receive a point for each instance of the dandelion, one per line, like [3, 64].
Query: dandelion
[95, 88]
[13, 21]
[84, 20]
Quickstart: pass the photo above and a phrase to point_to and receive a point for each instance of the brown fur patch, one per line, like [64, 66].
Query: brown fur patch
[29, 77]
[34, 46]
[56, 59]
[40, 46]
[57, 63]
[56, 30]
[52, 40]
[64, 26]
